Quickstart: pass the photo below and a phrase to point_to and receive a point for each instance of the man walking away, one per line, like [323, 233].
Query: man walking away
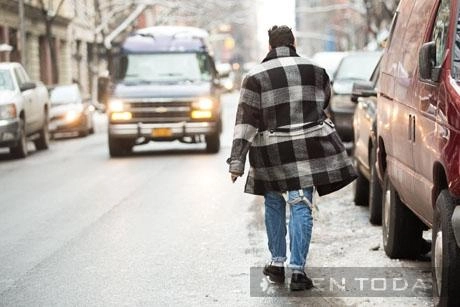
[293, 148]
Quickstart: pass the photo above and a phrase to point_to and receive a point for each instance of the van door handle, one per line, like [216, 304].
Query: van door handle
[409, 134]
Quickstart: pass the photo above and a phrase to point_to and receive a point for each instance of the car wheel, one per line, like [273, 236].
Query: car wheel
[445, 254]
[361, 186]
[83, 133]
[118, 148]
[213, 143]
[43, 141]
[20, 150]
[375, 192]
[401, 229]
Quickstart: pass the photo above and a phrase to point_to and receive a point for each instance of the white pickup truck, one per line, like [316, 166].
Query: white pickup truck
[24, 110]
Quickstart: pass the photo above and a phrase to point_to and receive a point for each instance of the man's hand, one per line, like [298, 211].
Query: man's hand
[234, 176]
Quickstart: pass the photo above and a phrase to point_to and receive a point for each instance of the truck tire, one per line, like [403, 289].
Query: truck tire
[445, 253]
[375, 192]
[20, 150]
[401, 229]
[43, 141]
[213, 143]
[361, 190]
[119, 147]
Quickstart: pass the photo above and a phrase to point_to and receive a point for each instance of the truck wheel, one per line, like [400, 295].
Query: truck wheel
[401, 229]
[445, 253]
[20, 150]
[375, 193]
[213, 143]
[361, 190]
[118, 147]
[43, 141]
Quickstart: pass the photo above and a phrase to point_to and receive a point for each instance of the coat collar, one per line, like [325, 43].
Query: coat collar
[280, 52]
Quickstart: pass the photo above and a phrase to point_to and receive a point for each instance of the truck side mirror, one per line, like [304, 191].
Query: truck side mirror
[27, 86]
[426, 60]
[363, 89]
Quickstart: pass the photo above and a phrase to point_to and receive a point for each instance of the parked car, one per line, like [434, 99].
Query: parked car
[329, 60]
[418, 132]
[368, 191]
[353, 67]
[69, 112]
[24, 110]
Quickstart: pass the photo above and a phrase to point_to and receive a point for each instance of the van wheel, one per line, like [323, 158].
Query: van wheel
[43, 141]
[445, 254]
[375, 193]
[213, 143]
[401, 229]
[20, 150]
[361, 190]
[118, 148]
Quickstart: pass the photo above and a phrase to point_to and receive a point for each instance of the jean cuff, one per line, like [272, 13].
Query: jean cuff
[296, 267]
[279, 259]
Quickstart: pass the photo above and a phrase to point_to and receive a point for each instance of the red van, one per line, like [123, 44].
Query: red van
[418, 132]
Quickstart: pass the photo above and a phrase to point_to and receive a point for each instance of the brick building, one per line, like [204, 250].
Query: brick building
[72, 33]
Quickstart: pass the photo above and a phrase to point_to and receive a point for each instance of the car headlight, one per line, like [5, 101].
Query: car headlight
[204, 103]
[72, 116]
[116, 105]
[8, 111]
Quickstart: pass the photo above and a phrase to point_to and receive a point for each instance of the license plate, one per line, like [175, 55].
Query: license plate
[161, 132]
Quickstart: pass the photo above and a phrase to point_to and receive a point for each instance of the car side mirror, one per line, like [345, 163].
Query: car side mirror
[27, 86]
[427, 56]
[363, 89]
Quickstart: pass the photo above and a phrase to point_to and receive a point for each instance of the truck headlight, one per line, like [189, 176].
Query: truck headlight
[116, 105]
[8, 111]
[200, 114]
[204, 103]
[121, 116]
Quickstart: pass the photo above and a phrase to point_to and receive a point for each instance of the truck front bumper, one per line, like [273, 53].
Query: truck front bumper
[9, 132]
[176, 130]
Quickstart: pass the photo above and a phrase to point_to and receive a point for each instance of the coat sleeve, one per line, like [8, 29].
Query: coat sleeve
[246, 123]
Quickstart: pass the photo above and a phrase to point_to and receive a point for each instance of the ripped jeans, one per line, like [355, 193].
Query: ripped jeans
[300, 225]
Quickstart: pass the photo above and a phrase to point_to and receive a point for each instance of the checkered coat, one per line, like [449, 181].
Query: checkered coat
[281, 123]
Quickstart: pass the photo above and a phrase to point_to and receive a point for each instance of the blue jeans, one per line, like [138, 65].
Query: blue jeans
[300, 225]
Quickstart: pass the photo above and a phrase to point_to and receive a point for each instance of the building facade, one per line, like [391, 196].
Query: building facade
[72, 34]
[330, 25]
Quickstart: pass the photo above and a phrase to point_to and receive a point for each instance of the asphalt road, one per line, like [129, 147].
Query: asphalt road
[162, 227]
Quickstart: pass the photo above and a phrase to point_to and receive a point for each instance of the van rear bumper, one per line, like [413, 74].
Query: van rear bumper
[177, 130]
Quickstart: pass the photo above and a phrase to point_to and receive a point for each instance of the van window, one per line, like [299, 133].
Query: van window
[456, 68]
[166, 67]
[440, 31]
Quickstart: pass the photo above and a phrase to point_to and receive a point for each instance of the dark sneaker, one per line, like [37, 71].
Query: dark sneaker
[300, 281]
[274, 273]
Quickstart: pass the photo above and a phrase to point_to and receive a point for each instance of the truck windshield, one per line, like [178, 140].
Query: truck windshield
[166, 67]
[6, 83]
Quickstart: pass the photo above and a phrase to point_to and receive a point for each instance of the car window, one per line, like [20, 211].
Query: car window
[167, 67]
[456, 64]
[357, 66]
[6, 83]
[440, 31]
[19, 76]
[65, 94]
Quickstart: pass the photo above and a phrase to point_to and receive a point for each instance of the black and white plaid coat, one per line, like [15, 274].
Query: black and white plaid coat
[279, 120]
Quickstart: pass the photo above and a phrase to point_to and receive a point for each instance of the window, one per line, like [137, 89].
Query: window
[440, 31]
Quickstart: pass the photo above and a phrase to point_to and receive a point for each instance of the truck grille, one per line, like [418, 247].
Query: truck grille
[155, 112]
